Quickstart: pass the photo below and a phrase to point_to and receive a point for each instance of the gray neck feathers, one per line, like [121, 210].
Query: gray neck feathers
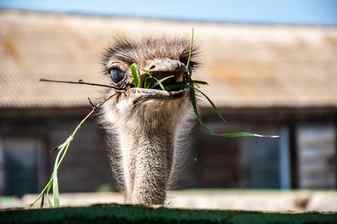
[147, 138]
[147, 151]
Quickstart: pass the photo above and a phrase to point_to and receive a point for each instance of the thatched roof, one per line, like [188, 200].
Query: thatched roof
[246, 65]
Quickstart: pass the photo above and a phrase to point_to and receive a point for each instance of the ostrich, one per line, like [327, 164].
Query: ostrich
[147, 124]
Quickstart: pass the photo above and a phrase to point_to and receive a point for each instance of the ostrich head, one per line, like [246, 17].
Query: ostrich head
[146, 123]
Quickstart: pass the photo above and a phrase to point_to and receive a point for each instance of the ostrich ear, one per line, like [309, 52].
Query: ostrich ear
[185, 55]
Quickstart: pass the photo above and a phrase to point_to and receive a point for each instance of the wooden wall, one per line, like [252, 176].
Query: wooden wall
[86, 166]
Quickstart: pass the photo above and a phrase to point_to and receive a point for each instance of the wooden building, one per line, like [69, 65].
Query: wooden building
[267, 79]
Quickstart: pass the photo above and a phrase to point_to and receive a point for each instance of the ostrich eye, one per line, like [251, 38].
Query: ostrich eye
[116, 74]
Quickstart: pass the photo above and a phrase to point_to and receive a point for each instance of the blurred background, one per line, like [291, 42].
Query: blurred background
[271, 68]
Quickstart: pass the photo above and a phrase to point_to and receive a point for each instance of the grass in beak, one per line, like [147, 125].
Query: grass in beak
[160, 82]
[135, 75]
[151, 82]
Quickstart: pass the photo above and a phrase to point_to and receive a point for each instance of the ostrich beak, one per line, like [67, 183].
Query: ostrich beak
[158, 94]
[161, 68]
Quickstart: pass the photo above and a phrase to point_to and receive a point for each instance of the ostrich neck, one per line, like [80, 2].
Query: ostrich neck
[146, 145]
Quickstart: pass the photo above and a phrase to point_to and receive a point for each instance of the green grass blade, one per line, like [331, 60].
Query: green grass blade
[57, 163]
[215, 109]
[56, 193]
[191, 86]
[190, 53]
[195, 108]
[53, 181]
[50, 203]
[135, 75]
[160, 82]
[45, 189]
[226, 134]
[189, 79]
[194, 103]
[147, 82]
[245, 134]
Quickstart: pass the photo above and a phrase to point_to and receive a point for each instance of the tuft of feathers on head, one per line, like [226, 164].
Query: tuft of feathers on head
[132, 51]
[121, 49]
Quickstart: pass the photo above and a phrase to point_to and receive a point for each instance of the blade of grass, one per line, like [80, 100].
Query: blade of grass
[188, 66]
[225, 134]
[56, 193]
[50, 203]
[61, 154]
[135, 75]
[245, 134]
[195, 108]
[147, 82]
[63, 148]
[45, 189]
[160, 82]
[59, 158]
[215, 109]
[191, 84]
[42, 200]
